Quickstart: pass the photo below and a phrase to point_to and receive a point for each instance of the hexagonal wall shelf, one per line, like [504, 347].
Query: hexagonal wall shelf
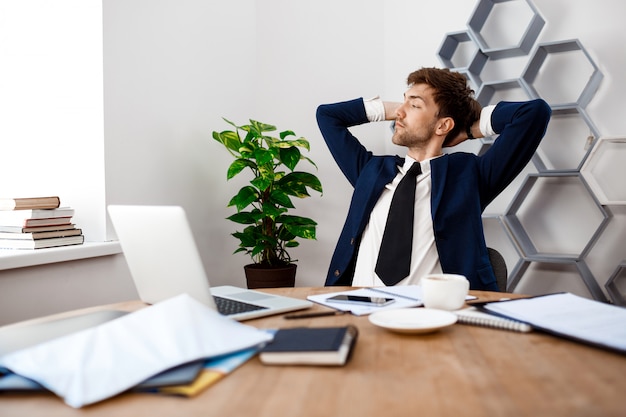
[498, 237]
[545, 222]
[568, 141]
[508, 90]
[616, 285]
[605, 170]
[505, 28]
[555, 275]
[459, 52]
[563, 74]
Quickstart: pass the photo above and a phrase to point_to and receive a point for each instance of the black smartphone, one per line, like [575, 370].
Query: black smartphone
[360, 299]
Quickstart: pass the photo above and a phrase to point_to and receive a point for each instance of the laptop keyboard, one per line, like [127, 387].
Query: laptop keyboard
[229, 307]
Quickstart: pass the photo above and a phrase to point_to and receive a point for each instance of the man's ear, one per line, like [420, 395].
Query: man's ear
[445, 126]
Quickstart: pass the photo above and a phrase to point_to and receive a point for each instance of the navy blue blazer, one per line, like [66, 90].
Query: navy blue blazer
[463, 184]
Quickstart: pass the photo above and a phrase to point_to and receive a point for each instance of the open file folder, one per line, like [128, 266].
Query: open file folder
[97, 363]
[570, 316]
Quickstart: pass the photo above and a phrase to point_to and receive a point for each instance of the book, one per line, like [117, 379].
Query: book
[25, 218]
[41, 243]
[53, 221]
[35, 229]
[472, 315]
[310, 346]
[29, 203]
[40, 235]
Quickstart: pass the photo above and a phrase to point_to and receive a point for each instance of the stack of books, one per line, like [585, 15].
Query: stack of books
[37, 222]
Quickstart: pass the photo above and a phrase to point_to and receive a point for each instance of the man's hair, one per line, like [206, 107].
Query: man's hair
[452, 95]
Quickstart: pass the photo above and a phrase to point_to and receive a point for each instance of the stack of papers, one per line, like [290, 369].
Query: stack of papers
[97, 363]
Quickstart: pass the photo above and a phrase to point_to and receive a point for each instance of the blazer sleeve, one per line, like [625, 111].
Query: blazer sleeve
[520, 126]
[334, 121]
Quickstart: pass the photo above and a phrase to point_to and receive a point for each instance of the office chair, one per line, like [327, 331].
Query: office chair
[499, 268]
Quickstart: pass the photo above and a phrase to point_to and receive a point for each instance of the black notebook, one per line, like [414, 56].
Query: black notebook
[310, 346]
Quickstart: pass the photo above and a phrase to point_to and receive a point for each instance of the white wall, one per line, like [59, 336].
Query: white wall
[173, 68]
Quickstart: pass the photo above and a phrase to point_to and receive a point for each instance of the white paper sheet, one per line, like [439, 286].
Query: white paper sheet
[403, 296]
[100, 362]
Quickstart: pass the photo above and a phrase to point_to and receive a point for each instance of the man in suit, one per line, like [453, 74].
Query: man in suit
[452, 190]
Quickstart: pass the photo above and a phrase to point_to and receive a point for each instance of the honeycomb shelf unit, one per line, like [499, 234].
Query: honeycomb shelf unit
[558, 207]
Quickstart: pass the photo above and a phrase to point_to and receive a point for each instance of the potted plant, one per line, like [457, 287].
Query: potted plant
[262, 205]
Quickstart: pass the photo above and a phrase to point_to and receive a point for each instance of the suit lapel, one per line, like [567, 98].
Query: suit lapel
[439, 170]
[370, 186]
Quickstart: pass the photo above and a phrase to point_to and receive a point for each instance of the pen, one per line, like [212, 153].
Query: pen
[311, 315]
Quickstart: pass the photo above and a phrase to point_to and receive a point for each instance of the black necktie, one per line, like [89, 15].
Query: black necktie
[394, 258]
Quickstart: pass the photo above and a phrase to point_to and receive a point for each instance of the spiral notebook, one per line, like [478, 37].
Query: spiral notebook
[472, 315]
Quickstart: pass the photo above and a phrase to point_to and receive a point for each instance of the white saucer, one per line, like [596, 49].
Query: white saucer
[413, 320]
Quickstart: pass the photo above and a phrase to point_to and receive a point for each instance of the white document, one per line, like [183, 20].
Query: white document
[571, 316]
[97, 363]
[404, 296]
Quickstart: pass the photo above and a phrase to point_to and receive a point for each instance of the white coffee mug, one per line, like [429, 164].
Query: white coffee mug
[444, 291]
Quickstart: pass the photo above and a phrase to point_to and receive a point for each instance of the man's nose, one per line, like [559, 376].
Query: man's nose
[400, 112]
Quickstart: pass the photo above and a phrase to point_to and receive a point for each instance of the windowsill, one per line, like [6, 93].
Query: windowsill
[10, 259]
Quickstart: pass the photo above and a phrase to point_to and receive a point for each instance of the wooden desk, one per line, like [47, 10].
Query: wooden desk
[459, 371]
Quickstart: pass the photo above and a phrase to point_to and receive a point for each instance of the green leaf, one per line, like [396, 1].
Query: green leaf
[263, 156]
[286, 133]
[230, 123]
[309, 159]
[290, 157]
[271, 210]
[246, 240]
[302, 142]
[296, 220]
[244, 198]
[229, 138]
[306, 232]
[261, 127]
[237, 166]
[246, 151]
[262, 183]
[243, 217]
[280, 198]
[295, 183]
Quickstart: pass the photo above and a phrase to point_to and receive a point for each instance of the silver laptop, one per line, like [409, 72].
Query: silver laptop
[164, 261]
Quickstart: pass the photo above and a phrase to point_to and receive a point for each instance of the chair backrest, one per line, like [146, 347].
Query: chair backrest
[499, 268]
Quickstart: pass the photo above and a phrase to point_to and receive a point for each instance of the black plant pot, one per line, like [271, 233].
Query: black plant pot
[263, 276]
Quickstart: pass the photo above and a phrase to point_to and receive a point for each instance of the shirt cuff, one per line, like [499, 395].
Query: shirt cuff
[374, 109]
[485, 121]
